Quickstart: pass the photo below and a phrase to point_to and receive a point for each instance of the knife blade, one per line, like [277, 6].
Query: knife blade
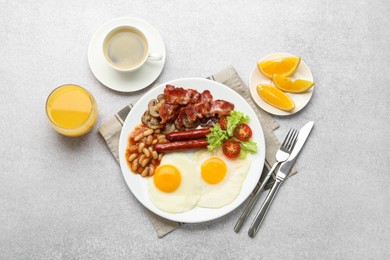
[302, 137]
[281, 175]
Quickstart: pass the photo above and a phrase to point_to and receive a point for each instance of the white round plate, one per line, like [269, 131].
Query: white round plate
[126, 81]
[300, 100]
[138, 185]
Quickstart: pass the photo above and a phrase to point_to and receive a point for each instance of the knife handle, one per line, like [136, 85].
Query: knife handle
[264, 209]
[253, 200]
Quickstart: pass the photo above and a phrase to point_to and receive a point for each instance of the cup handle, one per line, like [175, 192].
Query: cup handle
[155, 57]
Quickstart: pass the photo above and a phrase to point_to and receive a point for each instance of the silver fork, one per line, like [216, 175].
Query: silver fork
[281, 156]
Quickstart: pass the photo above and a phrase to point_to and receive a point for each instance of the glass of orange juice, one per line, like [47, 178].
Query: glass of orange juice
[72, 110]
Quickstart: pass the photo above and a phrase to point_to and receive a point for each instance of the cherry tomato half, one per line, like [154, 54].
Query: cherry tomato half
[242, 132]
[231, 148]
[223, 122]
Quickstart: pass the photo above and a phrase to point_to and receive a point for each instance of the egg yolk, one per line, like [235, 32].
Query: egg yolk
[167, 178]
[213, 170]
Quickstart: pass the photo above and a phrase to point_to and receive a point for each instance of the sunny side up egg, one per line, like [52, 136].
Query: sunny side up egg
[221, 178]
[175, 187]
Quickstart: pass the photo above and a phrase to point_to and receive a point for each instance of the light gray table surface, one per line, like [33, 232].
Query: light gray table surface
[65, 198]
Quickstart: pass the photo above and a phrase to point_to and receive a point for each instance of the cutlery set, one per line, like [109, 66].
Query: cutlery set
[286, 156]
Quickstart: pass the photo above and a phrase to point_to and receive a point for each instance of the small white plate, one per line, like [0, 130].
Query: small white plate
[138, 185]
[300, 100]
[126, 81]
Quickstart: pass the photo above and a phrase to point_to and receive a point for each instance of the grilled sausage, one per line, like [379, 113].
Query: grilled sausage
[180, 145]
[188, 135]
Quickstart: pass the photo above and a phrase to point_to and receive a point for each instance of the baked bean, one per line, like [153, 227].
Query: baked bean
[162, 140]
[154, 155]
[146, 152]
[138, 137]
[141, 158]
[132, 157]
[134, 166]
[145, 172]
[145, 162]
[149, 140]
[148, 132]
[141, 147]
[151, 170]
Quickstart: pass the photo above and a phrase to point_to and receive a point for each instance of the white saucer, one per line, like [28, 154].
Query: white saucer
[126, 81]
[300, 100]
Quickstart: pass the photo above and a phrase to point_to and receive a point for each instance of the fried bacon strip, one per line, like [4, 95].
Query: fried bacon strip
[221, 108]
[169, 112]
[180, 96]
[186, 106]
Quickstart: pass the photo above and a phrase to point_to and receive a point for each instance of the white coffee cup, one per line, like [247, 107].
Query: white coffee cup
[126, 48]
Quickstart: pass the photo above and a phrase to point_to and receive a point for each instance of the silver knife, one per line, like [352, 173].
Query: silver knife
[280, 177]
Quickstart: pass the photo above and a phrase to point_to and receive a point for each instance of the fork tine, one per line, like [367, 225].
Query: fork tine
[290, 138]
[296, 139]
[284, 144]
[293, 140]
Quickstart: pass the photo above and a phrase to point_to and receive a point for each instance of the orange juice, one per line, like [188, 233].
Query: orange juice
[72, 110]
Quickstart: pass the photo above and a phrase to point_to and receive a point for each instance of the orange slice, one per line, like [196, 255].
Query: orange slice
[294, 86]
[281, 66]
[275, 97]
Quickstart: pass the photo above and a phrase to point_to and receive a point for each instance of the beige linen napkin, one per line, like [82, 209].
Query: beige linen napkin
[110, 130]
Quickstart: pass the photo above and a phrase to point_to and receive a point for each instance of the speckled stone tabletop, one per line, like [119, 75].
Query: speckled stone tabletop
[65, 198]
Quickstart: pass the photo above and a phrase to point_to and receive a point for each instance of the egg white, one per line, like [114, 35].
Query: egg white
[224, 192]
[186, 196]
